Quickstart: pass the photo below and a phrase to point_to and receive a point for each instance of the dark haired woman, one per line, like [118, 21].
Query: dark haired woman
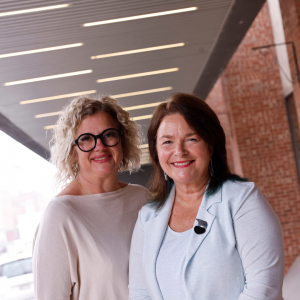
[208, 234]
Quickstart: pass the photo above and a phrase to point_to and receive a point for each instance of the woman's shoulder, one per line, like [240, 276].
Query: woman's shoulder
[150, 210]
[72, 189]
[138, 190]
[136, 187]
[240, 194]
[56, 216]
[235, 187]
[59, 208]
[146, 213]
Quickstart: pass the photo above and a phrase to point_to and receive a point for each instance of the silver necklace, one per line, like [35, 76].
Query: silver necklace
[82, 186]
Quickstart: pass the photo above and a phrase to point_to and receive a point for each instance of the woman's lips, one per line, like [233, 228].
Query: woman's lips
[182, 164]
[101, 160]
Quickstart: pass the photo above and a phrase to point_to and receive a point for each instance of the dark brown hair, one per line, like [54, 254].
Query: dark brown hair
[205, 122]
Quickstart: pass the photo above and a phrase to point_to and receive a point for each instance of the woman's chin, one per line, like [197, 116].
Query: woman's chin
[104, 171]
[183, 180]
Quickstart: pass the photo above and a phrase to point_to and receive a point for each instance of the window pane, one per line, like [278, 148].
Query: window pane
[26, 187]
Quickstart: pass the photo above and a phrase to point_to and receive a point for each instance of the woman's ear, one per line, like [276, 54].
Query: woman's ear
[74, 152]
[211, 149]
[73, 155]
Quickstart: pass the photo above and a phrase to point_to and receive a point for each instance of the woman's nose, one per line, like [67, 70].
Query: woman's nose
[99, 144]
[180, 149]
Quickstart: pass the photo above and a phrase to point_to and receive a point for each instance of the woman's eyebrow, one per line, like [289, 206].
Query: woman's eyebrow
[165, 136]
[170, 136]
[190, 134]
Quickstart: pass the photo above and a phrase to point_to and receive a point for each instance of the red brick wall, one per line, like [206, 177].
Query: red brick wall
[250, 92]
[216, 101]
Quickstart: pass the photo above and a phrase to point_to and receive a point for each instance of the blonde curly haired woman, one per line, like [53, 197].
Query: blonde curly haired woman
[82, 245]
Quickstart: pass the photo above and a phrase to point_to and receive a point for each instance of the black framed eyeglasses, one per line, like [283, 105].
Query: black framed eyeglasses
[109, 137]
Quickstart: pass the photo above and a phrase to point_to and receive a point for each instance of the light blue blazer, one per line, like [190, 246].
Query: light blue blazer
[239, 257]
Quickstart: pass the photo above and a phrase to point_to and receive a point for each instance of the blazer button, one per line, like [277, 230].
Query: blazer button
[199, 230]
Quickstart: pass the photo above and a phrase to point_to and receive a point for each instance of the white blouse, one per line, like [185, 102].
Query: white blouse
[170, 264]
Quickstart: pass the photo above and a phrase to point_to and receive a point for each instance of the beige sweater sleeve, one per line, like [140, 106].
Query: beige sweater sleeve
[54, 256]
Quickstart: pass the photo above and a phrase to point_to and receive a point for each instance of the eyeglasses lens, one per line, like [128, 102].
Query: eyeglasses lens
[86, 142]
[111, 137]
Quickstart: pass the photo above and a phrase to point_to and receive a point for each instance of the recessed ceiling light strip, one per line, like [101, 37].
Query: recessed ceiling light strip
[58, 97]
[131, 94]
[163, 13]
[25, 11]
[56, 113]
[138, 75]
[48, 77]
[50, 126]
[142, 106]
[144, 146]
[40, 50]
[138, 50]
[143, 92]
[133, 119]
[141, 117]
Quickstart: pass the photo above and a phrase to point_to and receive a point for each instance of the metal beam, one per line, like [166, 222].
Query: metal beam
[16, 133]
[238, 22]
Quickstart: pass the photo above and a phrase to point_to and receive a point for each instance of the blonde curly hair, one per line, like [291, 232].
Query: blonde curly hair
[63, 154]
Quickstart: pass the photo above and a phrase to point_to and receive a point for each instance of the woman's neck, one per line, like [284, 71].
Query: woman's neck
[192, 193]
[98, 185]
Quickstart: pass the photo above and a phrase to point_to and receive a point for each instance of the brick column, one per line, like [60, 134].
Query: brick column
[252, 96]
[290, 11]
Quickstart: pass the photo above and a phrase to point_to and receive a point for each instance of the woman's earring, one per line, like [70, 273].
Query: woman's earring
[166, 176]
[76, 166]
[211, 170]
[120, 166]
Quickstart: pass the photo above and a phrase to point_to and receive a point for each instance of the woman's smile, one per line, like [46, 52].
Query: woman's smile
[100, 159]
[182, 164]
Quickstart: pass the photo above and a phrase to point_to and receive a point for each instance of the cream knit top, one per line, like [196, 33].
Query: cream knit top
[82, 246]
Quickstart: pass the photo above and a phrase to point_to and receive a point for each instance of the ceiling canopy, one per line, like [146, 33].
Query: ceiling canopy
[137, 51]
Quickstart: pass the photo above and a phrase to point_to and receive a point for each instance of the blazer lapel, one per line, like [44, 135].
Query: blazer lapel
[203, 214]
[154, 234]
[155, 230]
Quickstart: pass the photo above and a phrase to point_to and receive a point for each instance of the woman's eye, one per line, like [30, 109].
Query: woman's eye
[110, 134]
[193, 139]
[85, 139]
[166, 142]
